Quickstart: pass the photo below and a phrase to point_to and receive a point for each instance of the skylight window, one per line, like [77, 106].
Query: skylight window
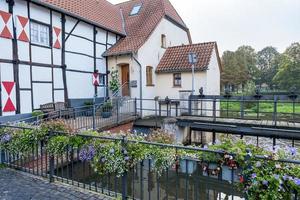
[136, 9]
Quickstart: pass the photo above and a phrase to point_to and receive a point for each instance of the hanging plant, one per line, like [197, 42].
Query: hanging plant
[114, 83]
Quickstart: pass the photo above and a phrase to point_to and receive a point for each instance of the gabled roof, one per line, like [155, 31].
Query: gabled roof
[98, 12]
[175, 58]
[139, 27]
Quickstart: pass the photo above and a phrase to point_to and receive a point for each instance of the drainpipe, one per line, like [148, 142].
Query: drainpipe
[141, 91]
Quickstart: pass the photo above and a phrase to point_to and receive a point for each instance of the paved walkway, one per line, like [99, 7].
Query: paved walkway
[20, 186]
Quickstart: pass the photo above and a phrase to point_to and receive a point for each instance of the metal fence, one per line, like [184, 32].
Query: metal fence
[186, 180]
[97, 116]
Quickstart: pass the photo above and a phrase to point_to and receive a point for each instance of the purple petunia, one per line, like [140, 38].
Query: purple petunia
[253, 175]
[87, 153]
[292, 150]
[111, 151]
[5, 138]
[258, 164]
[264, 182]
[297, 181]
[276, 176]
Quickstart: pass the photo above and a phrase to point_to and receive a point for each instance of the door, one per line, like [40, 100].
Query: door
[125, 80]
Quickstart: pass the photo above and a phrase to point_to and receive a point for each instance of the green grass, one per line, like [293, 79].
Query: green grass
[265, 109]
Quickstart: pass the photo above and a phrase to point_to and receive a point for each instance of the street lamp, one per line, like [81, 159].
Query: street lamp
[193, 60]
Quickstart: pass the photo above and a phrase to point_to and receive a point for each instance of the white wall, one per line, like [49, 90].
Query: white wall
[166, 88]
[213, 76]
[151, 52]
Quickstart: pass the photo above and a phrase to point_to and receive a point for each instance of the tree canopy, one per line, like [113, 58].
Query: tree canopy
[266, 67]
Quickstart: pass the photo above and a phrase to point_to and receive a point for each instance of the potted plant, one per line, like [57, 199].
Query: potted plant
[106, 110]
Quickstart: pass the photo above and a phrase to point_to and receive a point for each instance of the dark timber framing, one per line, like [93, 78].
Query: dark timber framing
[15, 56]
[63, 65]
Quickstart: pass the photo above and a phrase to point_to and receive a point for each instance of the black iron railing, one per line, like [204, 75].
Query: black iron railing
[186, 180]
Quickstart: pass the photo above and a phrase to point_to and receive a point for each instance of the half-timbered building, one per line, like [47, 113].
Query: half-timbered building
[50, 50]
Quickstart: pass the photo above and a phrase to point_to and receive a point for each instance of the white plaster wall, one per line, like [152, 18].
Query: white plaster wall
[41, 55]
[213, 76]
[42, 94]
[79, 62]
[56, 21]
[57, 78]
[59, 96]
[151, 52]
[80, 45]
[25, 101]
[41, 74]
[5, 44]
[80, 85]
[101, 36]
[39, 13]
[24, 77]
[166, 88]
[7, 75]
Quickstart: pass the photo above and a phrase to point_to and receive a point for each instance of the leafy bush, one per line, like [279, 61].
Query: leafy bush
[107, 107]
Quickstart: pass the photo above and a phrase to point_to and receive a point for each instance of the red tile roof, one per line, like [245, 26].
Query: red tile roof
[175, 59]
[139, 27]
[99, 12]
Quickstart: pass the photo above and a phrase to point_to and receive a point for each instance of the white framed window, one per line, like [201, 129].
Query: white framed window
[40, 34]
[136, 9]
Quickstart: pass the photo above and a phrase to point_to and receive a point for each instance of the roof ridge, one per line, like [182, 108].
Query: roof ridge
[195, 44]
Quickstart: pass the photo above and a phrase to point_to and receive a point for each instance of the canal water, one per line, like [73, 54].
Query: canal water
[189, 182]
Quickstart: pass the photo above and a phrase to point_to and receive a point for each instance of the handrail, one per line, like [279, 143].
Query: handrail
[119, 89]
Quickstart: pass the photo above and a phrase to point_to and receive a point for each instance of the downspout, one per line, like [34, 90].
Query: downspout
[141, 91]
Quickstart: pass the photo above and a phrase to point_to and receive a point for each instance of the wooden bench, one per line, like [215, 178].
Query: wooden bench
[57, 110]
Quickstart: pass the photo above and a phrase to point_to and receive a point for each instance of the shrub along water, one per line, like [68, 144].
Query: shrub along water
[260, 178]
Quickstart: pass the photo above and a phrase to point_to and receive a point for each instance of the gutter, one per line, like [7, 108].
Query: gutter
[141, 84]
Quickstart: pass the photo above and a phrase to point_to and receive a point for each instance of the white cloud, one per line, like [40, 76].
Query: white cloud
[232, 23]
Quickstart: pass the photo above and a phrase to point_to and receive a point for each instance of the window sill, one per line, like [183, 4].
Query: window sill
[150, 85]
[177, 86]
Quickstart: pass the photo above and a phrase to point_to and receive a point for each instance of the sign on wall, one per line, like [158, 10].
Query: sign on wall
[6, 25]
[8, 105]
[96, 80]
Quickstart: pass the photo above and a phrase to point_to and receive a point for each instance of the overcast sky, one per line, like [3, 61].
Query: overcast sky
[232, 23]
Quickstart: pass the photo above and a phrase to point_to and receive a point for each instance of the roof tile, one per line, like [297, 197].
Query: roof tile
[175, 58]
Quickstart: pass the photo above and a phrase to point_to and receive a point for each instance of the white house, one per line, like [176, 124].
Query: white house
[51, 50]
[156, 33]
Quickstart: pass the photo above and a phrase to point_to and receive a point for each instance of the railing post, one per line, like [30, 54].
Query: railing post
[155, 102]
[275, 110]
[94, 115]
[118, 111]
[51, 164]
[214, 109]
[242, 108]
[135, 106]
[190, 105]
[124, 177]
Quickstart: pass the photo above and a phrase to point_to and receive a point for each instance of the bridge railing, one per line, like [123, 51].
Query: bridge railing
[188, 178]
[275, 109]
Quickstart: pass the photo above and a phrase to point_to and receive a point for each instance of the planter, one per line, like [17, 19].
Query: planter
[106, 114]
[188, 166]
[2, 156]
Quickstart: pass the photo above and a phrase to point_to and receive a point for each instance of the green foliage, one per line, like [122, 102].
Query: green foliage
[114, 83]
[37, 114]
[59, 144]
[56, 126]
[267, 67]
[107, 107]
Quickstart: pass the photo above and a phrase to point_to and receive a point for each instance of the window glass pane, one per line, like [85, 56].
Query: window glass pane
[39, 34]
[136, 9]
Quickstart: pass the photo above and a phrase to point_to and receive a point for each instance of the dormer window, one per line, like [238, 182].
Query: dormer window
[163, 41]
[136, 9]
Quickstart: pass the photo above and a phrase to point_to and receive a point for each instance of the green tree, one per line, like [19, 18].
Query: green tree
[246, 64]
[267, 63]
[229, 75]
[288, 74]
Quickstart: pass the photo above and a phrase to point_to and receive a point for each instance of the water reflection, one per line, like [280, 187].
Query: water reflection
[144, 184]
